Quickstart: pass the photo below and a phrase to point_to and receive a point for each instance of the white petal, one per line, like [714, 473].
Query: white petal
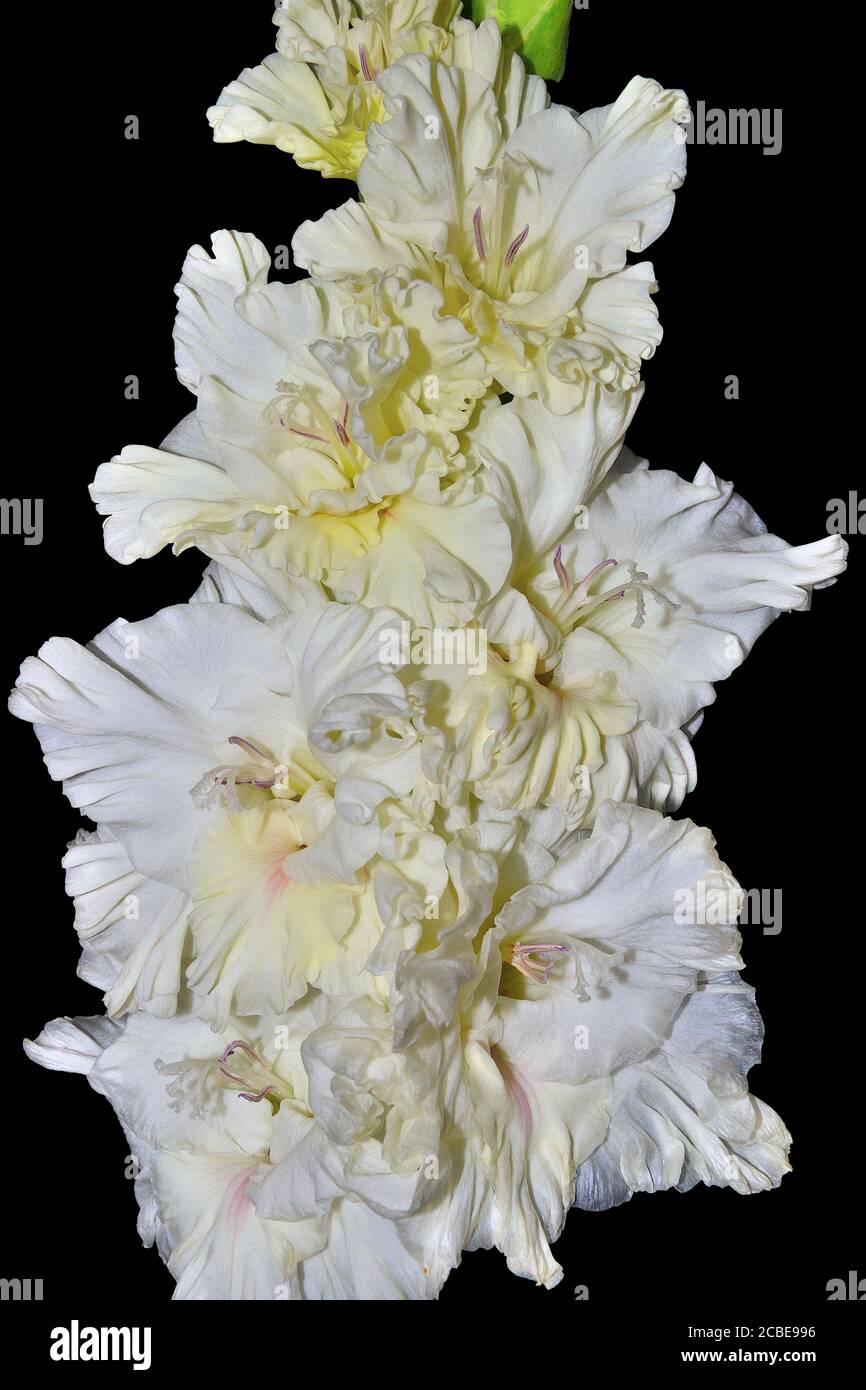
[684, 1114]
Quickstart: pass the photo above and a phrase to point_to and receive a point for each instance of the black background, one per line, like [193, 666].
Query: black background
[104, 226]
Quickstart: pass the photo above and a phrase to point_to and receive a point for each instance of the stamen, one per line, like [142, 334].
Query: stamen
[232, 1076]
[340, 427]
[242, 1081]
[516, 245]
[582, 593]
[240, 1045]
[260, 1095]
[365, 64]
[479, 235]
[538, 971]
[220, 783]
[561, 571]
[251, 749]
[305, 434]
[191, 1081]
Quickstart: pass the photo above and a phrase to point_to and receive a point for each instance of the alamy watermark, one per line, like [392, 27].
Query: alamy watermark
[434, 646]
[846, 516]
[77, 1343]
[22, 516]
[852, 1289]
[712, 125]
[21, 1290]
[713, 904]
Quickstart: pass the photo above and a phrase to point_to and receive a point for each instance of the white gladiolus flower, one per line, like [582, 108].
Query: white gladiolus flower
[631, 592]
[317, 96]
[240, 774]
[324, 442]
[526, 231]
[549, 1028]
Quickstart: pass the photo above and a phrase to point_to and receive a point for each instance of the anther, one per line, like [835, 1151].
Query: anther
[340, 427]
[365, 64]
[479, 235]
[516, 245]
[250, 748]
[561, 571]
[305, 434]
